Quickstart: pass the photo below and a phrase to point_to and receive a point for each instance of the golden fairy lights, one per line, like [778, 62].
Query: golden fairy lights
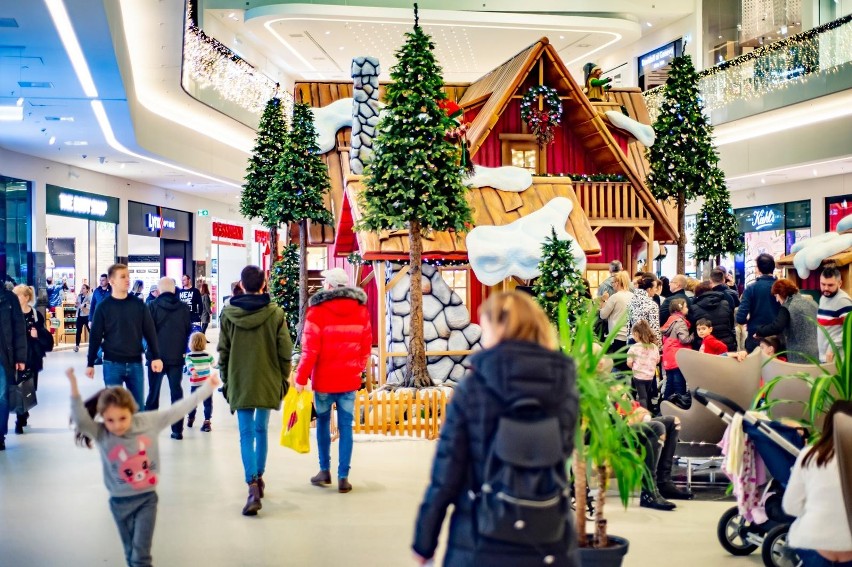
[777, 66]
[211, 64]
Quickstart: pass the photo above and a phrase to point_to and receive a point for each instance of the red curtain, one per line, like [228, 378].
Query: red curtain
[612, 247]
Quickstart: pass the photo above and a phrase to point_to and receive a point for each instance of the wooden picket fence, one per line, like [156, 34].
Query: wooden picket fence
[413, 413]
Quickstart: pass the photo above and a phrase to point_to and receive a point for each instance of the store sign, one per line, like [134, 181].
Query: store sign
[763, 219]
[759, 219]
[658, 58]
[228, 231]
[159, 222]
[261, 236]
[71, 203]
[155, 223]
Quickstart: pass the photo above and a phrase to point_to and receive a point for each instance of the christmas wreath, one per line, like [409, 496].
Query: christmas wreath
[543, 122]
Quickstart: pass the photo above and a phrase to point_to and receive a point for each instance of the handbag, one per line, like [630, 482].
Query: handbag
[22, 394]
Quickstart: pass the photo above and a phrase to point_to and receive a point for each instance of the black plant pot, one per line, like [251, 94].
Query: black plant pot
[610, 556]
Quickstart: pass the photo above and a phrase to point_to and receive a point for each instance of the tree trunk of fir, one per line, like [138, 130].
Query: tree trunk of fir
[681, 233]
[580, 504]
[303, 277]
[416, 374]
[273, 245]
[718, 260]
[601, 539]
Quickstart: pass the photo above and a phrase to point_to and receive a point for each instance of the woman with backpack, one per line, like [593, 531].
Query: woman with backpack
[519, 383]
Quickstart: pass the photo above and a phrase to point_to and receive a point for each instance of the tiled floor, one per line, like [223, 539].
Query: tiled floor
[53, 506]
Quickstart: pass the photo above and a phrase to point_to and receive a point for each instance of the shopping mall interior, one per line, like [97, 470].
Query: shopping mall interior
[670, 138]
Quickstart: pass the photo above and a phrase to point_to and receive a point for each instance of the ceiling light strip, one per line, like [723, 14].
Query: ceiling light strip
[72, 47]
[106, 130]
[802, 166]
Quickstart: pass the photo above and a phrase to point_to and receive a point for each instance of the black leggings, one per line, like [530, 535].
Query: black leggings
[82, 321]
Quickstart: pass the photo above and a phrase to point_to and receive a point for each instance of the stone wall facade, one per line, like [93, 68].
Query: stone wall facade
[365, 111]
[446, 326]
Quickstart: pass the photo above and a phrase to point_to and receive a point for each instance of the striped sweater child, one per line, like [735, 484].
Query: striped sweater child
[202, 363]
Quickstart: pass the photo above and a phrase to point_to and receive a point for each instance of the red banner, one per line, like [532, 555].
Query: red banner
[229, 231]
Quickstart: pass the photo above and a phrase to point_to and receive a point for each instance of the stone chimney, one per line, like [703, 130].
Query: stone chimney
[365, 111]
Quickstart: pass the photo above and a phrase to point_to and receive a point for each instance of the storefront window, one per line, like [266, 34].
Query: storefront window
[771, 229]
[836, 209]
[15, 214]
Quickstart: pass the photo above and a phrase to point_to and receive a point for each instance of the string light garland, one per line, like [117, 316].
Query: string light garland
[772, 67]
[211, 64]
[357, 260]
[543, 122]
[587, 177]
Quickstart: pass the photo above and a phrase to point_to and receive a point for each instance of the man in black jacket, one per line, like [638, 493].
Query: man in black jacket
[191, 297]
[171, 319]
[13, 352]
[120, 322]
[758, 306]
[678, 288]
[717, 278]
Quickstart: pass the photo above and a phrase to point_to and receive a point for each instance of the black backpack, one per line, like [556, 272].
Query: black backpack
[524, 498]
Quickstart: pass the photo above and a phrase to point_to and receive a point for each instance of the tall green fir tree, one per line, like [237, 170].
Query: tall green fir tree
[271, 136]
[684, 161]
[717, 232]
[560, 279]
[415, 178]
[298, 190]
[284, 286]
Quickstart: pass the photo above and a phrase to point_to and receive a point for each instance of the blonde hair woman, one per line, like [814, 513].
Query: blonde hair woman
[520, 360]
[39, 342]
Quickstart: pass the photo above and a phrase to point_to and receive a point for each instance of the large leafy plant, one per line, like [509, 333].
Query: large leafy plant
[604, 439]
[835, 382]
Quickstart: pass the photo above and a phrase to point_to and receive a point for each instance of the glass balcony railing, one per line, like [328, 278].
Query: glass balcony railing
[815, 62]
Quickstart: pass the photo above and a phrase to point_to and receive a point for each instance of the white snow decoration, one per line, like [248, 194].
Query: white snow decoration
[814, 250]
[642, 132]
[506, 178]
[659, 252]
[845, 224]
[498, 252]
[329, 119]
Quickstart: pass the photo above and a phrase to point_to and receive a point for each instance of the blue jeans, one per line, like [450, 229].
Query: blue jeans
[128, 374]
[135, 517]
[345, 410]
[811, 558]
[254, 442]
[208, 406]
[174, 372]
[4, 403]
[675, 383]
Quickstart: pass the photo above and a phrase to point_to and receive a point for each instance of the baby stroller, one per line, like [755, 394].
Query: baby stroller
[778, 445]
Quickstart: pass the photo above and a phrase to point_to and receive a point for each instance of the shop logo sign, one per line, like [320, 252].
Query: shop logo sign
[82, 205]
[156, 222]
[229, 231]
[761, 218]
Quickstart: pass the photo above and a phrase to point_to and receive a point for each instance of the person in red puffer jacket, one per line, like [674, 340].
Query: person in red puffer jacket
[336, 346]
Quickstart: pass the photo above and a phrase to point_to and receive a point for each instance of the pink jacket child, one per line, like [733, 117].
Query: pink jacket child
[676, 335]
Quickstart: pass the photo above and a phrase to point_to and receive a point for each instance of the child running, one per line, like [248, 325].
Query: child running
[199, 365]
[127, 442]
[642, 358]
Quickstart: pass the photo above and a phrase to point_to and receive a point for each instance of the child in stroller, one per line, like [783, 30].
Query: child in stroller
[758, 520]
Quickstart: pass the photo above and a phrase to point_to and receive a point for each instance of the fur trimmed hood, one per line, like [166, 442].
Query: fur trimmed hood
[338, 293]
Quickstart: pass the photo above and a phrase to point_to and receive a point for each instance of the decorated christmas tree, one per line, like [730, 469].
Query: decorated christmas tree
[298, 189]
[559, 279]
[271, 135]
[284, 286]
[414, 181]
[684, 161]
[717, 231]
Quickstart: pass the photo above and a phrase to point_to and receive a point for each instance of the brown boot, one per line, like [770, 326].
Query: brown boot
[253, 502]
[343, 485]
[260, 485]
[321, 478]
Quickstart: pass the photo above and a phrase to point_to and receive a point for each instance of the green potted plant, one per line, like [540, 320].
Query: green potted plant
[605, 443]
[835, 383]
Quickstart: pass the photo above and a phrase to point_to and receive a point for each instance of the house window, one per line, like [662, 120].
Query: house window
[521, 150]
[317, 257]
[596, 274]
[457, 281]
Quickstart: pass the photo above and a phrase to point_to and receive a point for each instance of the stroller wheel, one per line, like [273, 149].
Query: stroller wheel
[732, 531]
[775, 551]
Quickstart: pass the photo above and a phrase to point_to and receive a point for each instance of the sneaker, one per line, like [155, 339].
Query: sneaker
[655, 501]
[76, 349]
[321, 478]
[190, 421]
[253, 503]
[670, 491]
[205, 427]
[177, 436]
[261, 486]
[343, 485]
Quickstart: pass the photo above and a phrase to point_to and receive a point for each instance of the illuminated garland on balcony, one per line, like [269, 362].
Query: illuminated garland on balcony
[211, 64]
[824, 49]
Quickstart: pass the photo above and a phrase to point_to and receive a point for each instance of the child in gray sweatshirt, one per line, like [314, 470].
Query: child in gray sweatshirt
[127, 442]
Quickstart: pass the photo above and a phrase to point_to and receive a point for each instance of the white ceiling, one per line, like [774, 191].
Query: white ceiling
[152, 131]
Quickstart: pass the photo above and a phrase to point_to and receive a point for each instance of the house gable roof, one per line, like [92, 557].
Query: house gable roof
[491, 95]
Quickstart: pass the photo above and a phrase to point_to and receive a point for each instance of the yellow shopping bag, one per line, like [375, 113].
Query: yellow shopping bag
[296, 431]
